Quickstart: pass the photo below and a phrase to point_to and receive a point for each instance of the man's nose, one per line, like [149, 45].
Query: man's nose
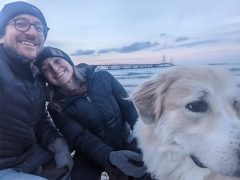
[31, 30]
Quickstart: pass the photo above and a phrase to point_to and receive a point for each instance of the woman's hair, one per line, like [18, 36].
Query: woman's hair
[79, 73]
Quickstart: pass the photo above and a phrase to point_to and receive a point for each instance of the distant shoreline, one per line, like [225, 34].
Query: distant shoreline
[131, 66]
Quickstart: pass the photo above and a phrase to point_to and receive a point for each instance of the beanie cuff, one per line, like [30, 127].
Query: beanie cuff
[51, 52]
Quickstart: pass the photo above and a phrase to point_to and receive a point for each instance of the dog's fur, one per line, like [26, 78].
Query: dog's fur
[189, 112]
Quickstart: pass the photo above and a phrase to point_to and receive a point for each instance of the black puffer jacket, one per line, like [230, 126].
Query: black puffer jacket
[99, 122]
[25, 126]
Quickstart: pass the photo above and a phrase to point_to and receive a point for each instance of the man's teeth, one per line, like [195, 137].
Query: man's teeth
[28, 43]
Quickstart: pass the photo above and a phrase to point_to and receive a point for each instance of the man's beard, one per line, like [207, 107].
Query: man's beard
[20, 57]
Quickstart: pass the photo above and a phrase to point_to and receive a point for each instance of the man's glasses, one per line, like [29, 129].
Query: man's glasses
[23, 26]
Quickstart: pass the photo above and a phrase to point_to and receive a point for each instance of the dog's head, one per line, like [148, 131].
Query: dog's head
[197, 109]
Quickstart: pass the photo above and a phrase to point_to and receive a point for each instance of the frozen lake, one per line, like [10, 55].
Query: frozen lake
[131, 78]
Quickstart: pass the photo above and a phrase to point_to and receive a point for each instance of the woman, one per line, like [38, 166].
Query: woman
[92, 110]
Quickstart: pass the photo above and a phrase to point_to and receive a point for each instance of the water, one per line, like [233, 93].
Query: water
[131, 78]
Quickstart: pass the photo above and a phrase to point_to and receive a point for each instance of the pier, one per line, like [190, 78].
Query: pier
[131, 66]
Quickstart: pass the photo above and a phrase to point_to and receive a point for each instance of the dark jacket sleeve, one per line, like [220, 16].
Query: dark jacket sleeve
[46, 130]
[127, 107]
[81, 139]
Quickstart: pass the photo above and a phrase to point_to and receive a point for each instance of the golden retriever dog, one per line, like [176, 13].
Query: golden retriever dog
[189, 124]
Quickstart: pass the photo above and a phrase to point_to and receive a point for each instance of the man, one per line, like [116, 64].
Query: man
[30, 145]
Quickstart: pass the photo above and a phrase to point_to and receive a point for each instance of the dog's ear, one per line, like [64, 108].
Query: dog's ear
[149, 95]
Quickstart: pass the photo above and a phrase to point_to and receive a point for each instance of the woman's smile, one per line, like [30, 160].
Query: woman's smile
[59, 75]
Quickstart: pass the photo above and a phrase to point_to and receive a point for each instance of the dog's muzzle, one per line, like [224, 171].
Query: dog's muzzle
[197, 161]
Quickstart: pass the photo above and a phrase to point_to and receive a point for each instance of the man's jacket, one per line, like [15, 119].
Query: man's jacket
[25, 126]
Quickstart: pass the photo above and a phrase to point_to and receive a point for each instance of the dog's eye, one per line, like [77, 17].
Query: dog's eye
[236, 105]
[197, 106]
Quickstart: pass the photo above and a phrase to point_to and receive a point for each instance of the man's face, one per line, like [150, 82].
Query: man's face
[27, 44]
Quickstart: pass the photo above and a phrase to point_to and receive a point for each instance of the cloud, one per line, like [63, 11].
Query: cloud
[104, 51]
[188, 45]
[163, 35]
[196, 43]
[81, 52]
[180, 39]
[137, 47]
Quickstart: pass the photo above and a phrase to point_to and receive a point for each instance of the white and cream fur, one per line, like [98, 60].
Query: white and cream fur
[169, 130]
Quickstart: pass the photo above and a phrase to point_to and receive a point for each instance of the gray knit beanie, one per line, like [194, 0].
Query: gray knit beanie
[11, 10]
[51, 52]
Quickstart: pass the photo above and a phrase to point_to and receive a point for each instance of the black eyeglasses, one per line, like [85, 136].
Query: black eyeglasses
[23, 26]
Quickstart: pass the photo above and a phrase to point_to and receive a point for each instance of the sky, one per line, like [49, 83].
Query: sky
[144, 31]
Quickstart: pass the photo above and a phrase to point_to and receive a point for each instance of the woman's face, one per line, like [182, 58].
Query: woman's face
[57, 71]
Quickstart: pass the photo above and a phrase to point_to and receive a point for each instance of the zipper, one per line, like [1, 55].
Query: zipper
[89, 99]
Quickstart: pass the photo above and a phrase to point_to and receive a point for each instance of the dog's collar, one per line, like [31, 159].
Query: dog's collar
[197, 161]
